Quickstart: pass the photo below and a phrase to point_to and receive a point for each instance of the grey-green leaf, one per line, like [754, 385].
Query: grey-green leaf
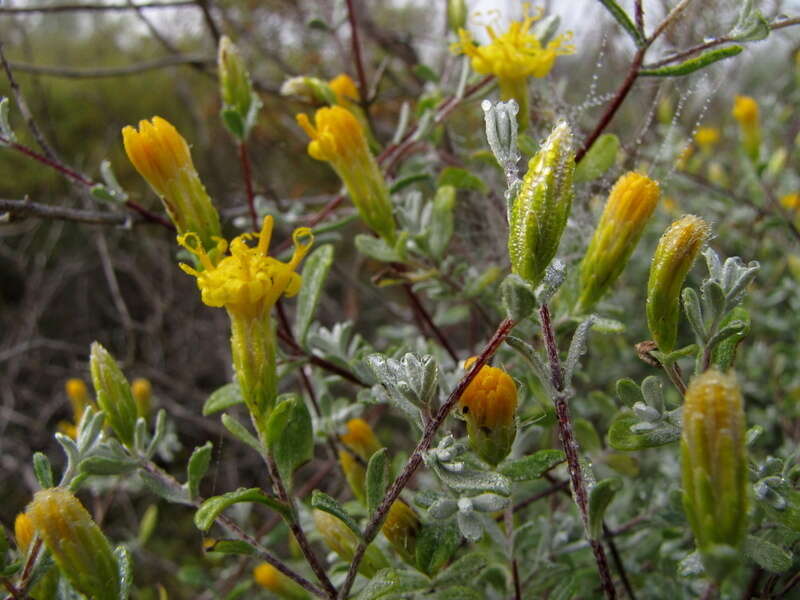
[599, 498]
[322, 501]
[376, 248]
[315, 271]
[223, 398]
[198, 467]
[43, 470]
[210, 510]
[466, 568]
[599, 159]
[241, 433]
[441, 227]
[124, 571]
[693, 64]
[377, 478]
[290, 436]
[461, 178]
[622, 437]
[532, 467]
[767, 555]
[624, 20]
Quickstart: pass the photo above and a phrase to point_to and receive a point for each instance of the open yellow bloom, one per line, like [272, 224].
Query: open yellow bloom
[338, 138]
[706, 137]
[745, 111]
[248, 281]
[514, 56]
[162, 157]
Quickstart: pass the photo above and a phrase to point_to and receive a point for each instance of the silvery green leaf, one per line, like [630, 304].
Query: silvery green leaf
[240, 432]
[628, 392]
[546, 28]
[290, 435]
[159, 432]
[124, 571]
[112, 185]
[713, 301]
[315, 271]
[43, 472]
[461, 478]
[441, 223]
[223, 398]
[767, 555]
[755, 432]
[519, 300]
[71, 450]
[197, 468]
[600, 158]
[89, 430]
[627, 432]
[470, 526]
[161, 488]
[713, 263]
[691, 565]
[213, 507]
[322, 501]
[653, 392]
[577, 347]
[751, 25]
[646, 413]
[466, 568]
[5, 126]
[736, 290]
[140, 435]
[489, 502]
[377, 478]
[732, 328]
[107, 464]
[388, 584]
[532, 466]
[376, 248]
[501, 133]
[691, 306]
[443, 508]
[554, 275]
[600, 497]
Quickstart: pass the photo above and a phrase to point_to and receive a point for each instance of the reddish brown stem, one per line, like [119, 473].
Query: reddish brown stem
[247, 175]
[423, 313]
[356, 43]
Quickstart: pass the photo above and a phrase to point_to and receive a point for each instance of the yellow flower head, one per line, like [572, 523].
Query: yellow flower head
[157, 151]
[360, 438]
[515, 54]
[79, 400]
[402, 528]
[143, 394]
[276, 582]
[23, 533]
[791, 201]
[706, 137]
[345, 88]
[248, 281]
[76, 390]
[490, 399]
[335, 136]
[745, 110]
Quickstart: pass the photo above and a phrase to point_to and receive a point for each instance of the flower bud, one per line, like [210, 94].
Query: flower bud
[240, 103]
[338, 138]
[360, 442]
[402, 528]
[456, 14]
[79, 548]
[79, 400]
[706, 138]
[162, 157]
[630, 204]
[341, 539]
[143, 394]
[345, 90]
[23, 533]
[489, 406]
[540, 210]
[745, 111]
[113, 393]
[674, 256]
[279, 584]
[714, 469]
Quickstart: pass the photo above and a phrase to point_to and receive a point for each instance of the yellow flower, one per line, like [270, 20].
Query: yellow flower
[338, 138]
[247, 282]
[360, 438]
[489, 405]
[402, 528]
[344, 88]
[162, 157]
[79, 400]
[706, 137]
[279, 584]
[745, 111]
[143, 394]
[341, 539]
[23, 533]
[513, 57]
[791, 201]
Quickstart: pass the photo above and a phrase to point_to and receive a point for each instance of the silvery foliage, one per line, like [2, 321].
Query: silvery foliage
[476, 489]
[501, 133]
[409, 384]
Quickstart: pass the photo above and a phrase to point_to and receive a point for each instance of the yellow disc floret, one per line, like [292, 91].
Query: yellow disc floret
[248, 281]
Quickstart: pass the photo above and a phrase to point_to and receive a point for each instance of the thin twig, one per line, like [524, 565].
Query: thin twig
[373, 527]
[570, 446]
[247, 175]
[357, 57]
[297, 531]
[508, 515]
[19, 209]
[61, 8]
[211, 25]
[617, 558]
[553, 489]
[426, 317]
[639, 16]
[98, 73]
[231, 526]
[668, 20]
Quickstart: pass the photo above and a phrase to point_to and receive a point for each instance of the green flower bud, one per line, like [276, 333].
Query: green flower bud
[714, 469]
[630, 204]
[489, 406]
[456, 14]
[674, 256]
[239, 100]
[343, 541]
[540, 210]
[402, 528]
[114, 396]
[79, 548]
